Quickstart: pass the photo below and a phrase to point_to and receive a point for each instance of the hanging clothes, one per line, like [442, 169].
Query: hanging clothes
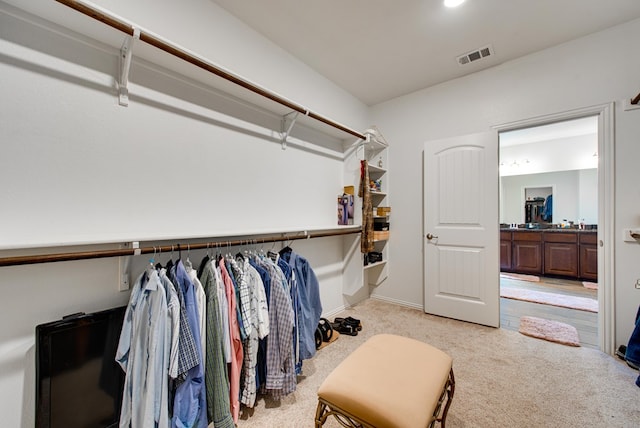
[181, 348]
[216, 377]
[259, 320]
[190, 407]
[143, 354]
[309, 308]
[201, 304]
[364, 191]
[261, 365]
[236, 343]
[281, 377]
[173, 327]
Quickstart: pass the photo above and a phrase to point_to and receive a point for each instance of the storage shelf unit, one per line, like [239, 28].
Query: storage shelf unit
[376, 156]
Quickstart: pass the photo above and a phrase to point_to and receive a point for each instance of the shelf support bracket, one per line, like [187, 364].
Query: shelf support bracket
[126, 52]
[286, 129]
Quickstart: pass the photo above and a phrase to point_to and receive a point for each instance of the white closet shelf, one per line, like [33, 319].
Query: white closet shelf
[376, 169]
[132, 248]
[376, 264]
[81, 18]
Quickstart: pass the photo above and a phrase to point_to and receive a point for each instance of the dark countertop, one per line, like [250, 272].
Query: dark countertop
[551, 230]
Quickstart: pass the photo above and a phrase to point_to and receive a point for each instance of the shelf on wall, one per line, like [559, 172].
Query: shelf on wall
[376, 169]
[376, 264]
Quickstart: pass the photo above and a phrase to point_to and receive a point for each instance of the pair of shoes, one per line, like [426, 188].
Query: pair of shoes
[350, 321]
[344, 328]
[324, 332]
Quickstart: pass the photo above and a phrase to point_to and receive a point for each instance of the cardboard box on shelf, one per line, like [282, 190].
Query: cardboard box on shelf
[382, 211]
[380, 235]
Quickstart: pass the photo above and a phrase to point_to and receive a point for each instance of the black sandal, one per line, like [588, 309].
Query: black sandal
[350, 321]
[318, 337]
[345, 328]
[326, 329]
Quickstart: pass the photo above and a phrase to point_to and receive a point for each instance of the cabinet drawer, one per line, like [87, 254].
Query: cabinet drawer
[589, 238]
[569, 237]
[505, 236]
[527, 236]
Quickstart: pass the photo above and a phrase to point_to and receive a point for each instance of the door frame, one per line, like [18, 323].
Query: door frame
[606, 211]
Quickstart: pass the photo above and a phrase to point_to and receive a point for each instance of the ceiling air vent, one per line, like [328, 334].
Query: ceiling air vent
[476, 55]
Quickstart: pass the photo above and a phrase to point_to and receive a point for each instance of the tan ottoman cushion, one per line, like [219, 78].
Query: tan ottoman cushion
[389, 381]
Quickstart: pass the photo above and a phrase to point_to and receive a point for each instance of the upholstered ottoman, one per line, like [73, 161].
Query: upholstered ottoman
[389, 381]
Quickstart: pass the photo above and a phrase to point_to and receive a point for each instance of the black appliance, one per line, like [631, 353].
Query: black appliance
[78, 382]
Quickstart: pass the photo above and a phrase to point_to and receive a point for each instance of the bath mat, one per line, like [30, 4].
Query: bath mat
[552, 331]
[561, 300]
[522, 277]
[590, 285]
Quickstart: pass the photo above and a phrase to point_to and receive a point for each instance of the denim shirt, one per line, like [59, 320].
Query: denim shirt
[309, 306]
[190, 402]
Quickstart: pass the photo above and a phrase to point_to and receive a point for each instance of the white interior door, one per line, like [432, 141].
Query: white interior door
[461, 241]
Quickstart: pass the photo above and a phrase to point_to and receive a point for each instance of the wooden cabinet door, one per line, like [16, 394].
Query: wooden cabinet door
[505, 256]
[527, 257]
[588, 262]
[561, 259]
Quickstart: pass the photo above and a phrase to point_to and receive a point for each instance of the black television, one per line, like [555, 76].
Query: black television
[78, 382]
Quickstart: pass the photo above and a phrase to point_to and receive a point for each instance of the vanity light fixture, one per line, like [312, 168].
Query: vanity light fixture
[453, 3]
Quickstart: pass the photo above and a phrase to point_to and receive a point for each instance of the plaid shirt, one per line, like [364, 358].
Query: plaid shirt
[188, 356]
[259, 330]
[281, 377]
[215, 375]
[245, 297]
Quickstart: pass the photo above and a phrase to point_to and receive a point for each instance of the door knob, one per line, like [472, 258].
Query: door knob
[430, 236]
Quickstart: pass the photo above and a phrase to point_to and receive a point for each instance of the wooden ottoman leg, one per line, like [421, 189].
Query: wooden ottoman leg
[320, 416]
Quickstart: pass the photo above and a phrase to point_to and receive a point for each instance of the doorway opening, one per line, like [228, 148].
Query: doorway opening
[549, 217]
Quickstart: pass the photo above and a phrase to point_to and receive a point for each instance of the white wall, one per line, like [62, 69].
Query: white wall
[179, 161]
[588, 196]
[553, 155]
[593, 70]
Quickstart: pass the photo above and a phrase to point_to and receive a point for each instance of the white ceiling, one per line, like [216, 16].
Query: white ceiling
[553, 131]
[381, 49]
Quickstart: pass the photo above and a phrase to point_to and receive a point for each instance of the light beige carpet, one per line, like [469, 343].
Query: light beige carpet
[553, 331]
[554, 299]
[503, 378]
[590, 285]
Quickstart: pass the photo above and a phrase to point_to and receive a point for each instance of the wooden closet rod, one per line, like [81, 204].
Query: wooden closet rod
[85, 255]
[198, 62]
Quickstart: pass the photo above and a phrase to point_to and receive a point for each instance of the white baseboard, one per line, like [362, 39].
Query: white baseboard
[398, 302]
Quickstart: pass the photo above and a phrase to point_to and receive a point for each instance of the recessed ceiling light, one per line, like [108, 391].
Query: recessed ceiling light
[453, 3]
